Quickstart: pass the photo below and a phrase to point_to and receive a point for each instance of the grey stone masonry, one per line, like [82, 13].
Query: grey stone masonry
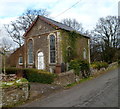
[66, 78]
[14, 95]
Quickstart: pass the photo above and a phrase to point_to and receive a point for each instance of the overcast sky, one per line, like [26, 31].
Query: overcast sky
[86, 12]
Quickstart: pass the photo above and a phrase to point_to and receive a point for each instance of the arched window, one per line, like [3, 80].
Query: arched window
[30, 52]
[52, 49]
[84, 54]
[69, 53]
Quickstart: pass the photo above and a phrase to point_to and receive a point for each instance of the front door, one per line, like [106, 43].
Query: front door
[41, 64]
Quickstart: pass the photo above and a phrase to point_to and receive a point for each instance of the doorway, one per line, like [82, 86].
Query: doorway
[41, 64]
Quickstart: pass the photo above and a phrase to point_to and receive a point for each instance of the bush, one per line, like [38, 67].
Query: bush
[75, 64]
[34, 75]
[80, 66]
[12, 70]
[118, 62]
[99, 65]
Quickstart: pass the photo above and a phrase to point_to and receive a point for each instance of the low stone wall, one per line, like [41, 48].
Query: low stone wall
[96, 71]
[113, 64]
[14, 94]
[65, 78]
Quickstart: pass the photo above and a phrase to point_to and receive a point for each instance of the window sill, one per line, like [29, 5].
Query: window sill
[52, 63]
[20, 63]
[30, 63]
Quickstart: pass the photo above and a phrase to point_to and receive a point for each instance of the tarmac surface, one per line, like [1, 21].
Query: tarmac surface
[98, 92]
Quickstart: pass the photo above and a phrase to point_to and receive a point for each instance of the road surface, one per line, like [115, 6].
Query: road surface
[98, 92]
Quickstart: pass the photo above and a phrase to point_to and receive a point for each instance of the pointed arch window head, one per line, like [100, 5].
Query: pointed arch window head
[52, 49]
[30, 52]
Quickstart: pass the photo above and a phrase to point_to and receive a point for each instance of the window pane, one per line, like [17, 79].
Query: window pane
[52, 42]
[84, 54]
[20, 60]
[52, 56]
[52, 49]
[30, 52]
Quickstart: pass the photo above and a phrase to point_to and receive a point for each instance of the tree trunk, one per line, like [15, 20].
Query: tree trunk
[4, 71]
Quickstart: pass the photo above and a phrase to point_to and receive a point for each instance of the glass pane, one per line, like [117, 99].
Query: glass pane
[20, 60]
[52, 42]
[52, 49]
[30, 52]
[52, 56]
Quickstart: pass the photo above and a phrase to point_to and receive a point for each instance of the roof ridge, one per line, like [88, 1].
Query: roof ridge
[56, 21]
[55, 24]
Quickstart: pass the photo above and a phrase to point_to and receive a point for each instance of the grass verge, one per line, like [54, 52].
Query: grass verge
[92, 76]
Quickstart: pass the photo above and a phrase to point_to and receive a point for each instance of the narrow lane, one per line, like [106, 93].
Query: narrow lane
[99, 92]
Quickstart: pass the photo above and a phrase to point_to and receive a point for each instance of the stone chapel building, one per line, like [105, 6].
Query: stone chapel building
[42, 46]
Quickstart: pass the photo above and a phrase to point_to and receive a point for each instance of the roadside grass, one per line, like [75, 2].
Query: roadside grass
[92, 76]
[80, 81]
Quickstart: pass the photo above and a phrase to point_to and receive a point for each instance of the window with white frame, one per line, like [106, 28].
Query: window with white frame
[84, 54]
[69, 53]
[20, 60]
[52, 49]
[30, 52]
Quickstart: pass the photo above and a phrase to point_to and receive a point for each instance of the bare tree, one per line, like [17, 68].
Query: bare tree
[105, 34]
[107, 29]
[22, 23]
[5, 48]
[73, 23]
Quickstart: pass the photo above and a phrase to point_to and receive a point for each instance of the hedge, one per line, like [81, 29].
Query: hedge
[12, 70]
[33, 75]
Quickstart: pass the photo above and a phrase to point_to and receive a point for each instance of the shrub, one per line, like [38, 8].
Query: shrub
[80, 66]
[118, 62]
[34, 75]
[99, 65]
[12, 70]
[75, 64]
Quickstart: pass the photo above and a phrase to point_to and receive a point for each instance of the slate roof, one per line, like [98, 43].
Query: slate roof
[55, 24]
[60, 25]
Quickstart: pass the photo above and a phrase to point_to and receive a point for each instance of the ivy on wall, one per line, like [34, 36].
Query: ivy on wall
[68, 44]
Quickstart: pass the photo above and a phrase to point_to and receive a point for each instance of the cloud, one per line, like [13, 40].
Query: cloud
[13, 8]
[87, 11]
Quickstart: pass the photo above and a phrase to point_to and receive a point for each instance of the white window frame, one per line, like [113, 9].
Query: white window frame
[84, 54]
[20, 63]
[49, 47]
[28, 52]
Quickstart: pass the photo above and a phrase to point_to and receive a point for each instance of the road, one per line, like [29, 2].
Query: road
[98, 92]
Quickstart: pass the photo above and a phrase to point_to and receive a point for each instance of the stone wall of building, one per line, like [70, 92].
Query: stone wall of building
[65, 78]
[14, 95]
[13, 59]
[81, 44]
[39, 34]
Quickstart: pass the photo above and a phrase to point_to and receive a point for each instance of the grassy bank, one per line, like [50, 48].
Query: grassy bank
[92, 76]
